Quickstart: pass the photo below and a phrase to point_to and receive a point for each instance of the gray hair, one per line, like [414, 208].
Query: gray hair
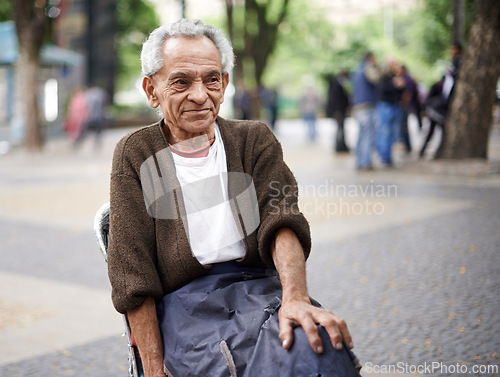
[152, 57]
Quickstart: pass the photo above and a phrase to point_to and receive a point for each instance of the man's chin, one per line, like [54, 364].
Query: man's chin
[198, 125]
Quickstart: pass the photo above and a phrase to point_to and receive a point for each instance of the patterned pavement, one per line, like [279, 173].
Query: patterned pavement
[408, 256]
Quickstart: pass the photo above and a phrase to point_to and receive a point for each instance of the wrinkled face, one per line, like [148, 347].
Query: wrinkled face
[190, 86]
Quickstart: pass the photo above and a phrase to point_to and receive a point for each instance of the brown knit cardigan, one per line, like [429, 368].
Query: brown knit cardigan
[148, 256]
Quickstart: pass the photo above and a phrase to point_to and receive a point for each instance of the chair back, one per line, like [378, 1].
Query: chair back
[101, 229]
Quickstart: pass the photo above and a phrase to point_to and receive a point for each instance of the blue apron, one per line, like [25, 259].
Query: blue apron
[226, 324]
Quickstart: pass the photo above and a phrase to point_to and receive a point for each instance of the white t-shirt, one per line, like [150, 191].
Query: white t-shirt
[213, 234]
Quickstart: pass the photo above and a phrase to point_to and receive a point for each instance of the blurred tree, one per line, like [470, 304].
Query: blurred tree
[253, 29]
[6, 11]
[470, 115]
[434, 31]
[310, 46]
[458, 21]
[136, 19]
[31, 26]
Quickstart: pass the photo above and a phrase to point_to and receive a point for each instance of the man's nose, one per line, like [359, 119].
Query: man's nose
[198, 92]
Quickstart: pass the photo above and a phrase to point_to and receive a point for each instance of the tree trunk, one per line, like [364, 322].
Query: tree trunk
[263, 40]
[31, 25]
[470, 115]
[238, 66]
[27, 84]
[259, 35]
[458, 21]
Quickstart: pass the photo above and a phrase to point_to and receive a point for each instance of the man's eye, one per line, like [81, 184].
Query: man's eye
[213, 81]
[180, 84]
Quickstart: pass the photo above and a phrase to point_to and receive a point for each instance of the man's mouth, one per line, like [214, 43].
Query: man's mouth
[197, 111]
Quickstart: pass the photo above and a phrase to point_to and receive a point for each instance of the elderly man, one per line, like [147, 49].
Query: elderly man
[207, 247]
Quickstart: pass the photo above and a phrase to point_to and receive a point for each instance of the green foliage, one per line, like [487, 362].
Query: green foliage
[310, 45]
[253, 28]
[432, 30]
[6, 11]
[303, 46]
[136, 19]
[274, 9]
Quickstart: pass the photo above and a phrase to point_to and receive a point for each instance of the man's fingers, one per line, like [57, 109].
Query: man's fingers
[332, 328]
[311, 330]
[346, 335]
[309, 318]
[336, 328]
[286, 333]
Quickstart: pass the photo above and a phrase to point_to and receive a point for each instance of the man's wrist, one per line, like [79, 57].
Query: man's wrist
[295, 297]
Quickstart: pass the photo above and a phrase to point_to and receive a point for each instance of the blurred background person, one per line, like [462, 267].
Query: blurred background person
[337, 105]
[243, 103]
[78, 110]
[435, 108]
[97, 101]
[439, 99]
[269, 102]
[309, 107]
[389, 110]
[410, 105]
[364, 98]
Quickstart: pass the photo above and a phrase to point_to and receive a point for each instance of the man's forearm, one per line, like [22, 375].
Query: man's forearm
[146, 332]
[296, 308]
[289, 260]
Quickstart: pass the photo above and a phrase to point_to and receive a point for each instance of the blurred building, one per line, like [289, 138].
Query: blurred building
[55, 66]
[89, 28]
[83, 54]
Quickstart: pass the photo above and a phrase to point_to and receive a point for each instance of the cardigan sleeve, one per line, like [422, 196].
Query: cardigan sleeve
[277, 194]
[132, 260]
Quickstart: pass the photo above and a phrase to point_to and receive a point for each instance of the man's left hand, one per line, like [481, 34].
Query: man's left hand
[296, 308]
[300, 313]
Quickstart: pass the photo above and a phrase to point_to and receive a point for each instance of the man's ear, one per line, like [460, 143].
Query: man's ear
[225, 80]
[149, 89]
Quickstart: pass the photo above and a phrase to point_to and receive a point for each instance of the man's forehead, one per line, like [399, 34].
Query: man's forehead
[192, 73]
[179, 44]
[191, 52]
